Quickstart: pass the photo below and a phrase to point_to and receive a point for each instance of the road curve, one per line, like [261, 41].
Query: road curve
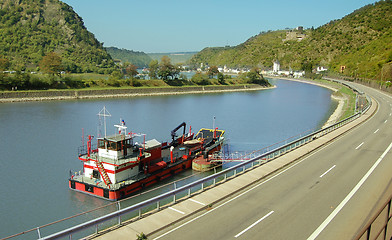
[330, 194]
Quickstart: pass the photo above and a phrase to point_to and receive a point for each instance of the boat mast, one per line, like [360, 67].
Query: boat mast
[104, 113]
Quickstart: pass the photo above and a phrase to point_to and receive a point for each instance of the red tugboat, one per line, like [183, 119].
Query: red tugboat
[119, 166]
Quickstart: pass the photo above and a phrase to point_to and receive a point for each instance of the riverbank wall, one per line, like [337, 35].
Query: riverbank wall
[22, 96]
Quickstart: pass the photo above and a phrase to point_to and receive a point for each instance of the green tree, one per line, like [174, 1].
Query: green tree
[4, 63]
[176, 71]
[116, 75]
[115, 79]
[153, 69]
[221, 78]
[212, 71]
[51, 64]
[386, 72]
[200, 79]
[307, 66]
[131, 70]
[254, 76]
[166, 69]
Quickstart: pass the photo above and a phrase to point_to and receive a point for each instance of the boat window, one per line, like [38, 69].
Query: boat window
[96, 174]
[127, 143]
[112, 146]
[101, 143]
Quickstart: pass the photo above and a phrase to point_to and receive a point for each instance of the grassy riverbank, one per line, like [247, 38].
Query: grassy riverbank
[344, 93]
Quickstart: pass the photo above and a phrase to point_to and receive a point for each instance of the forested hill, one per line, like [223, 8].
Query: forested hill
[30, 29]
[360, 41]
[139, 59]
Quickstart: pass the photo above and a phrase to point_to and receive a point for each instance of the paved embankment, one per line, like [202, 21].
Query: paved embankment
[21, 96]
[153, 223]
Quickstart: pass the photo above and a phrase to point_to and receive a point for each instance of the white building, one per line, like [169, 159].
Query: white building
[276, 67]
[321, 69]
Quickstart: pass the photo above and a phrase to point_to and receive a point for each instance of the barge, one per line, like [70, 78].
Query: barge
[119, 166]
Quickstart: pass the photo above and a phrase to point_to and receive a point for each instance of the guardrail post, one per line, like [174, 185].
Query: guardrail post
[119, 216]
[202, 186]
[368, 232]
[387, 220]
[158, 206]
[214, 182]
[39, 233]
[189, 192]
[140, 212]
[96, 229]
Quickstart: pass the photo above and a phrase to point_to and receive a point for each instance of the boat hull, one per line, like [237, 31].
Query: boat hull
[130, 189]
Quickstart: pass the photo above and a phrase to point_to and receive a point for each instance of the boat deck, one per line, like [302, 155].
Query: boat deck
[178, 152]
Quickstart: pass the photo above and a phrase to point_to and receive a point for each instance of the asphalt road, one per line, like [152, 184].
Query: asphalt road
[330, 194]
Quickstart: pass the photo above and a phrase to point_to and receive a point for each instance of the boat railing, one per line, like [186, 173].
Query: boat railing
[137, 210]
[83, 150]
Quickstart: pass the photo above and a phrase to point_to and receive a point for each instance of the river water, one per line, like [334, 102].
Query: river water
[39, 140]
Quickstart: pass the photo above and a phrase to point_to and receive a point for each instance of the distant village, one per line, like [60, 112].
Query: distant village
[296, 34]
[276, 71]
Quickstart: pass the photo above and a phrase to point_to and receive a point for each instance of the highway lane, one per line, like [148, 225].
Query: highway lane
[295, 202]
[377, 188]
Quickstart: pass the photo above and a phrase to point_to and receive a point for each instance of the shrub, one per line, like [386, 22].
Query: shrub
[200, 79]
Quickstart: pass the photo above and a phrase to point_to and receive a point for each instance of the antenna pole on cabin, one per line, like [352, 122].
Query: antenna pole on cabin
[104, 113]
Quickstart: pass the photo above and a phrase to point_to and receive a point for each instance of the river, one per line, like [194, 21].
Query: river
[39, 140]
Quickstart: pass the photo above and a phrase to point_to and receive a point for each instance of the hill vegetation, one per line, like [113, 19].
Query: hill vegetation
[139, 59]
[31, 29]
[175, 58]
[360, 41]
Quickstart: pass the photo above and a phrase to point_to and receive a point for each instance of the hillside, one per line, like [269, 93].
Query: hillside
[361, 41]
[176, 58]
[29, 29]
[140, 59]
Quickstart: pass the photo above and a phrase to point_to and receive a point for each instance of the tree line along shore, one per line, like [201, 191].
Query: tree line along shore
[21, 96]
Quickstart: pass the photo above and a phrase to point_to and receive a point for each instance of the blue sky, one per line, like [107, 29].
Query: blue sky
[161, 26]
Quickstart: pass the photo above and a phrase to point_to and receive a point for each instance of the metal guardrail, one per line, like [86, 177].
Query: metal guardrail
[377, 228]
[186, 191]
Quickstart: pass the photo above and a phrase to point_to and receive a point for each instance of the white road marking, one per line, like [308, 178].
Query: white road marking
[261, 219]
[195, 201]
[322, 175]
[176, 210]
[240, 195]
[359, 146]
[377, 130]
[348, 197]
